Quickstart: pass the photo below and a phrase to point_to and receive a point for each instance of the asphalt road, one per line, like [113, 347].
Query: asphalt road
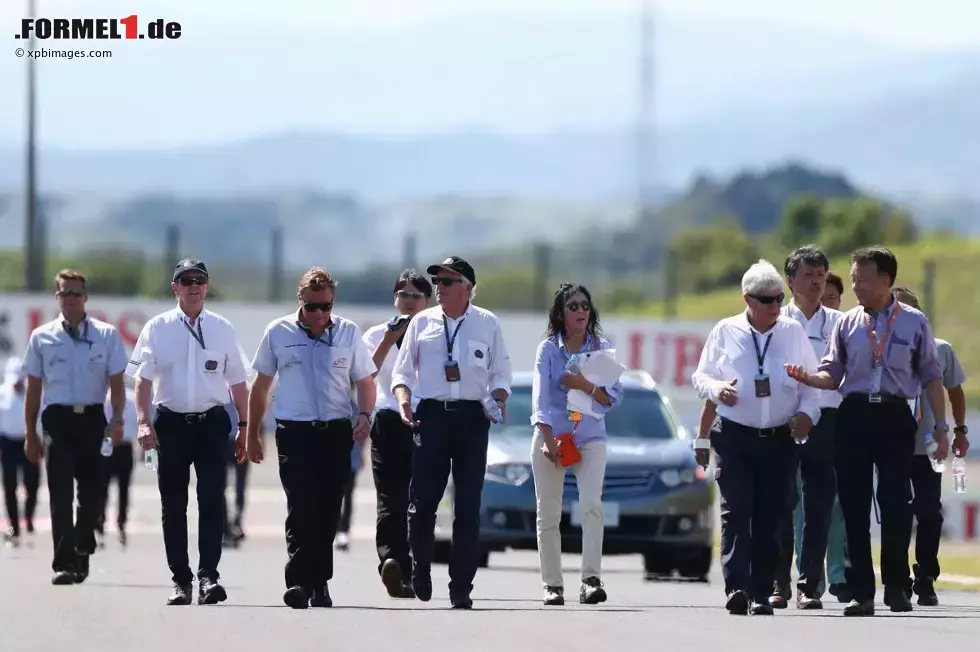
[121, 606]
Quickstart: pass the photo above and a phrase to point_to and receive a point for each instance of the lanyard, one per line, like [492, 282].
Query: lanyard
[877, 346]
[761, 355]
[450, 342]
[823, 325]
[329, 333]
[199, 335]
[78, 333]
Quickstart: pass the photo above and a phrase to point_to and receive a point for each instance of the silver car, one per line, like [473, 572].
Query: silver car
[657, 501]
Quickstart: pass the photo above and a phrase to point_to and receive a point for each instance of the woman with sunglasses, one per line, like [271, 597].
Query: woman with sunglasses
[573, 327]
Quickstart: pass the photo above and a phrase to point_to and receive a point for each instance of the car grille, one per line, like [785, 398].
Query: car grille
[618, 482]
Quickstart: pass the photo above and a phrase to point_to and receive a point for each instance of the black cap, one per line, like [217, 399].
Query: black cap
[189, 265]
[455, 264]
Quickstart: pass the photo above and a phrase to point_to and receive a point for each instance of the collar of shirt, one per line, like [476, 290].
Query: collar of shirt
[330, 331]
[186, 318]
[83, 325]
[588, 345]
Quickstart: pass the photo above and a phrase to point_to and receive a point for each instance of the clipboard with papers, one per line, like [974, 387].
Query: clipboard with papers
[600, 368]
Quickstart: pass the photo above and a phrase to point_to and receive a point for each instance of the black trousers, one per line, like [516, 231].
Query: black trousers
[184, 440]
[118, 466]
[927, 505]
[450, 437]
[73, 456]
[815, 460]
[870, 435]
[14, 462]
[391, 465]
[241, 482]
[754, 469]
[314, 466]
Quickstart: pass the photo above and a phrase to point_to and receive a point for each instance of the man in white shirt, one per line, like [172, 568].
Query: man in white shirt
[319, 358]
[13, 459]
[184, 363]
[741, 371]
[391, 439]
[454, 357]
[806, 273]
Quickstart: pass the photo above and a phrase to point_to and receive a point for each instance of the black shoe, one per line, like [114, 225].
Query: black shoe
[296, 597]
[30, 526]
[897, 600]
[591, 591]
[737, 603]
[181, 594]
[840, 591]
[780, 597]
[806, 601]
[393, 578]
[860, 608]
[554, 596]
[122, 537]
[461, 600]
[81, 570]
[407, 592]
[210, 592]
[761, 608]
[924, 587]
[422, 585]
[63, 578]
[321, 597]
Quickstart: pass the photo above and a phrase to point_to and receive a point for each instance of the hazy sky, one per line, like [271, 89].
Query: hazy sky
[218, 83]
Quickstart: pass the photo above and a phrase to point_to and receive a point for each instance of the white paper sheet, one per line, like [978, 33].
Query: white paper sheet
[601, 368]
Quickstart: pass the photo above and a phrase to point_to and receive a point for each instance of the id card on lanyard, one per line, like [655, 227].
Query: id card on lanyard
[877, 348]
[452, 366]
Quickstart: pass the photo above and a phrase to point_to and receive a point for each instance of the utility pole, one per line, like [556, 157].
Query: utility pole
[33, 273]
[275, 266]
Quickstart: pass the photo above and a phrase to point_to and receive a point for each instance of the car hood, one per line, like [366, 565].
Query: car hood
[514, 447]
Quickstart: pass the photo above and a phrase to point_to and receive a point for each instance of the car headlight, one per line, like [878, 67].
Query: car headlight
[512, 474]
[676, 477]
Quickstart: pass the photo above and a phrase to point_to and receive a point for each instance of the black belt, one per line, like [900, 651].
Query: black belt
[316, 424]
[79, 408]
[778, 431]
[190, 417]
[451, 406]
[885, 398]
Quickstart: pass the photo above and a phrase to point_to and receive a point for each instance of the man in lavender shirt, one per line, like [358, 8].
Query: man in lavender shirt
[882, 354]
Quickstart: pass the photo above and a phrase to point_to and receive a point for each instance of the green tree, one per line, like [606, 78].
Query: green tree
[800, 222]
[713, 256]
[900, 229]
[847, 224]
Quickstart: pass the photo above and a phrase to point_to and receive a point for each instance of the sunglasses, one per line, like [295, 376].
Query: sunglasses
[767, 300]
[575, 306]
[405, 294]
[188, 281]
[446, 282]
[71, 293]
[323, 306]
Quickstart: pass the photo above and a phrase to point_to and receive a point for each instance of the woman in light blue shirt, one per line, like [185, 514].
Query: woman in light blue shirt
[573, 327]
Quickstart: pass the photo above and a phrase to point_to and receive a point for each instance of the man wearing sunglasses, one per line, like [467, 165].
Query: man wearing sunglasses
[806, 273]
[452, 359]
[391, 439]
[72, 361]
[191, 356]
[882, 355]
[761, 415]
[317, 356]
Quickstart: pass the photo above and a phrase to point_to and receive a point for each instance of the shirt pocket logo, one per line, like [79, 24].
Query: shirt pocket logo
[479, 355]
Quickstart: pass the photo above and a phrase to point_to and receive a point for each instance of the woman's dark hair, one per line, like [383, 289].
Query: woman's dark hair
[556, 316]
[836, 281]
[416, 279]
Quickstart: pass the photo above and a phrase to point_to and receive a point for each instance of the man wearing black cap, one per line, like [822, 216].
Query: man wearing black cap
[391, 439]
[454, 361]
[193, 356]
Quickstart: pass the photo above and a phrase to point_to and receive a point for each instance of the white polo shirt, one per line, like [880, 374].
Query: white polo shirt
[386, 399]
[818, 330]
[315, 374]
[484, 364]
[188, 374]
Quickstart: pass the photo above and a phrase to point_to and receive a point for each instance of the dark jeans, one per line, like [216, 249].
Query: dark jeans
[815, 460]
[13, 461]
[870, 435]
[118, 466]
[753, 475]
[391, 465]
[314, 466]
[927, 504]
[73, 456]
[241, 482]
[453, 437]
[198, 440]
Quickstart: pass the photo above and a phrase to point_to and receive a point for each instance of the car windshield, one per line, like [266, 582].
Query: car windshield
[642, 414]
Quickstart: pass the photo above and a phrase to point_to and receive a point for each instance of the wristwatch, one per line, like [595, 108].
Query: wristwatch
[960, 430]
[367, 414]
[243, 424]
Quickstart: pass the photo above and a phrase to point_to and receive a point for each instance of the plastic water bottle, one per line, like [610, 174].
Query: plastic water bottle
[493, 409]
[107, 446]
[804, 439]
[931, 447]
[959, 475]
[151, 459]
[571, 367]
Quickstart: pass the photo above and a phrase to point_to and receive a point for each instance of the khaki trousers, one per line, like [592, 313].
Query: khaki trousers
[549, 484]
